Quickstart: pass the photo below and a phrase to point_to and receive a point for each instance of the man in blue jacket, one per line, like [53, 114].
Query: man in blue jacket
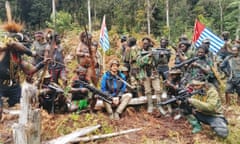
[113, 84]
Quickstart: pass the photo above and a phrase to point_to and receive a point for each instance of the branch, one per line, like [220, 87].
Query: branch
[67, 138]
[91, 138]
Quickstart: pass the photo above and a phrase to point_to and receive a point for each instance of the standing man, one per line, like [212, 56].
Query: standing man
[231, 64]
[112, 84]
[149, 75]
[130, 61]
[162, 56]
[207, 108]
[85, 57]
[39, 46]
[56, 67]
[10, 65]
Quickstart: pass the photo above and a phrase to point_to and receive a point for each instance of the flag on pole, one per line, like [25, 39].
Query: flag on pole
[104, 41]
[201, 33]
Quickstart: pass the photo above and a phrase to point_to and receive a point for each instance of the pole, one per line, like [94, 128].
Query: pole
[89, 17]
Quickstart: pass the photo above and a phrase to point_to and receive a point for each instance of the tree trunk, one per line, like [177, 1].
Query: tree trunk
[28, 130]
[89, 17]
[148, 17]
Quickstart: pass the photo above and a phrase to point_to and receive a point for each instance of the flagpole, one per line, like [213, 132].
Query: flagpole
[104, 64]
[104, 41]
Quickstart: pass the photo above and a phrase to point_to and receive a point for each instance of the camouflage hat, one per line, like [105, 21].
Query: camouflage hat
[197, 82]
[175, 71]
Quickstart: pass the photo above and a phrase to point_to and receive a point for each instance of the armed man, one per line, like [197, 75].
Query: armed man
[149, 75]
[113, 85]
[198, 69]
[207, 109]
[55, 52]
[79, 99]
[51, 96]
[182, 51]
[130, 61]
[231, 64]
[161, 57]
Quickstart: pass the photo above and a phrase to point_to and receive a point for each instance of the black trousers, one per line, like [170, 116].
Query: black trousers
[217, 123]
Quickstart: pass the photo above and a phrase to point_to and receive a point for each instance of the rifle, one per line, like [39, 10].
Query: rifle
[103, 96]
[186, 62]
[183, 94]
[56, 90]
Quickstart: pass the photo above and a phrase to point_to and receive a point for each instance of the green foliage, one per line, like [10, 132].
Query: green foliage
[61, 23]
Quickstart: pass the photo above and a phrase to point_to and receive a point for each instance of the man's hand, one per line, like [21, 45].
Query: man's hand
[116, 100]
[46, 60]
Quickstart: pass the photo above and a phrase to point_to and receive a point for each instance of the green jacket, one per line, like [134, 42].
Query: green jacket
[144, 62]
[209, 104]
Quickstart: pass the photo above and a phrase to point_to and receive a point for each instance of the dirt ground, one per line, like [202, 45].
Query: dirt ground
[156, 129]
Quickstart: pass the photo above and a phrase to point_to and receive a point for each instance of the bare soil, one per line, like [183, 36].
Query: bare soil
[155, 128]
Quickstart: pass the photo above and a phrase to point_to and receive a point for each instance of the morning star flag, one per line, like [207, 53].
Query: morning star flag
[201, 33]
[104, 42]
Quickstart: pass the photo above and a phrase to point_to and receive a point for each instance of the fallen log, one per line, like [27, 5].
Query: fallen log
[134, 101]
[92, 138]
[67, 138]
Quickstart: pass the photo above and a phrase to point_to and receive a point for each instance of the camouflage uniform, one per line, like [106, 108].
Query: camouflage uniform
[199, 69]
[130, 61]
[150, 78]
[208, 110]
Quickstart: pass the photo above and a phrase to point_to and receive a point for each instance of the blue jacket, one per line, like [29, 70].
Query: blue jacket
[112, 85]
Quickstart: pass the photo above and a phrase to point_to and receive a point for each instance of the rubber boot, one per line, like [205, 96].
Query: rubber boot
[160, 108]
[227, 99]
[196, 127]
[150, 104]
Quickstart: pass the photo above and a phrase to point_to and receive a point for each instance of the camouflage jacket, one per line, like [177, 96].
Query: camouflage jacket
[146, 64]
[209, 104]
[131, 56]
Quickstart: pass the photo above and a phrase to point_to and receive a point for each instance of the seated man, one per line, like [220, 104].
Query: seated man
[51, 96]
[113, 85]
[79, 93]
[207, 109]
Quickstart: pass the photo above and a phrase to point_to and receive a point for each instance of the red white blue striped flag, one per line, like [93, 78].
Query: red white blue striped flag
[201, 33]
[104, 41]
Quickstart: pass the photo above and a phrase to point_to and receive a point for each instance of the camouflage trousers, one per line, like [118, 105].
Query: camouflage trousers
[124, 100]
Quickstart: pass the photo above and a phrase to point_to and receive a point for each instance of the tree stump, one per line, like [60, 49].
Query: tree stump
[28, 129]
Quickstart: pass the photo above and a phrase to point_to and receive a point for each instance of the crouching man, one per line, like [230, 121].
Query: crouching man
[207, 108]
[113, 84]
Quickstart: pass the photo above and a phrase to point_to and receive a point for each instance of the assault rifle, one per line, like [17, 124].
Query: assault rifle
[57, 90]
[186, 62]
[103, 96]
[182, 96]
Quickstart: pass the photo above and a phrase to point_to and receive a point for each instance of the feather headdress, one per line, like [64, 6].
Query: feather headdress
[11, 26]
